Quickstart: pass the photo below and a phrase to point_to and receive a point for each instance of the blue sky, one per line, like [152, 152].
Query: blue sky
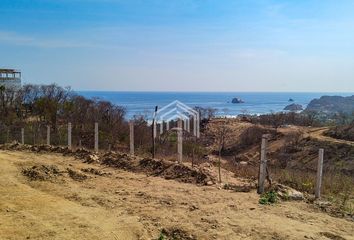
[181, 45]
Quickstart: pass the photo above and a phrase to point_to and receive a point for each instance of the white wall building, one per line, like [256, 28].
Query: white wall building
[10, 78]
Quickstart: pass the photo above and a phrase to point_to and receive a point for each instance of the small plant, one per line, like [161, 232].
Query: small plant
[286, 197]
[350, 209]
[268, 198]
[162, 237]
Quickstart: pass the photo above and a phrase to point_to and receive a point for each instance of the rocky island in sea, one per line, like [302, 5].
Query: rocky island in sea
[294, 107]
[237, 100]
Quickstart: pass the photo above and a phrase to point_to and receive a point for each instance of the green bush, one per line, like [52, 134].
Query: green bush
[162, 237]
[268, 198]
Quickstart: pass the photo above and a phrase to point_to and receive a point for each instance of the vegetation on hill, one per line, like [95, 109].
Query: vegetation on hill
[345, 132]
[33, 107]
[332, 104]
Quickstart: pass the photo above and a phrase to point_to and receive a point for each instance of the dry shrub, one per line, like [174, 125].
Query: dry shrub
[303, 181]
[336, 187]
[345, 132]
[293, 138]
[339, 188]
[243, 171]
[253, 135]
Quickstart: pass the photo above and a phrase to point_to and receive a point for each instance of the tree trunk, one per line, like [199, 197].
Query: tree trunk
[219, 165]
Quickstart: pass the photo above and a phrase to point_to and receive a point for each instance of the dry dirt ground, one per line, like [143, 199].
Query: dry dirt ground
[125, 205]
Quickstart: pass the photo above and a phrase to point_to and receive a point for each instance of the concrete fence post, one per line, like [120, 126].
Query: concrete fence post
[194, 125]
[180, 141]
[198, 127]
[319, 174]
[262, 165]
[96, 137]
[48, 135]
[22, 136]
[131, 134]
[154, 130]
[188, 125]
[161, 127]
[69, 136]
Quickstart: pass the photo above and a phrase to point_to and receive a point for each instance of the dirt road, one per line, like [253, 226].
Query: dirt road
[125, 205]
[318, 133]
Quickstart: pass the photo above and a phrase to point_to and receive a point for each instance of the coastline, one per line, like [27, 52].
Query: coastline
[256, 103]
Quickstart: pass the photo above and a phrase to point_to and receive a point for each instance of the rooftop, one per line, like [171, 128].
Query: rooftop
[2, 70]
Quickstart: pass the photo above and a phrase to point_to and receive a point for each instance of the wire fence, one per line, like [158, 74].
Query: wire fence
[165, 143]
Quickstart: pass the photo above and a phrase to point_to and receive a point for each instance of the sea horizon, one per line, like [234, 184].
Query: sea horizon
[143, 102]
[170, 91]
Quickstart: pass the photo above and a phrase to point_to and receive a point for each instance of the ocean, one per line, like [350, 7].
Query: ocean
[143, 103]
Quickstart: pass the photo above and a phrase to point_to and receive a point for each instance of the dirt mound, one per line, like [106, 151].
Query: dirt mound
[35, 148]
[77, 176]
[171, 170]
[86, 155]
[95, 171]
[42, 173]
[14, 146]
[176, 234]
[161, 168]
[185, 174]
[118, 160]
[156, 166]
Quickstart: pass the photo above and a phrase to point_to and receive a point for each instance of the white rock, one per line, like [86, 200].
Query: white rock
[288, 193]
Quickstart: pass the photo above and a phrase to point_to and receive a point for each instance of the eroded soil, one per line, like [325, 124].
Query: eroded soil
[68, 202]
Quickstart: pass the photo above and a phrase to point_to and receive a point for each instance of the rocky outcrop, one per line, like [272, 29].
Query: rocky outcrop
[237, 100]
[294, 107]
[288, 193]
[332, 104]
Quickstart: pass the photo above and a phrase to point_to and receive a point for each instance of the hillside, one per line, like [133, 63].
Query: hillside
[332, 104]
[345, 132]
[292, 154]
[66, 199]
[291, 147]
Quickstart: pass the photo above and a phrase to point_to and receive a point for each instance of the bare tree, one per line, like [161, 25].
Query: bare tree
[221, 134]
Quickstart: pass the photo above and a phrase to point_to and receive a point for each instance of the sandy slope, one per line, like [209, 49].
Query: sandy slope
[127, 205]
